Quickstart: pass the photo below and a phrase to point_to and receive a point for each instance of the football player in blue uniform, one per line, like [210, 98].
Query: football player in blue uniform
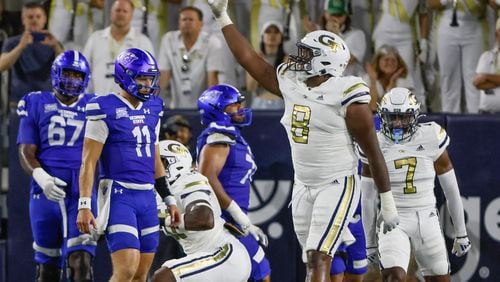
[226, 159]
[50, 148]
[122, 132]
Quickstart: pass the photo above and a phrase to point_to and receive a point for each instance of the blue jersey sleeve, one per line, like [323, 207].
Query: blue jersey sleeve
[95, 110]
[28, 130]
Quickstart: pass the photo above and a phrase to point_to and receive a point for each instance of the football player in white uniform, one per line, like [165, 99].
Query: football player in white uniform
[213, 254]
[324, 112]
[414, 154]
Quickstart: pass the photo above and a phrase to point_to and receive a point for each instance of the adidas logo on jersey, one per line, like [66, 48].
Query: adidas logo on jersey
[320, 98]
[420, 148]
[432, 214]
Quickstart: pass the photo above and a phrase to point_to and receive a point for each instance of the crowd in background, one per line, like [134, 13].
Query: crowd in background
[414, 44]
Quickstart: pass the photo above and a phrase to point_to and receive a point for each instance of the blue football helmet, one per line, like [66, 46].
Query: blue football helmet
[73, 61]
[214, 101]
[132, 63]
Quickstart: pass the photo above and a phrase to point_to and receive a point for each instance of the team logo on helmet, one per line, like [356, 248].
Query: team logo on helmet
[127, 58]
[330, 42]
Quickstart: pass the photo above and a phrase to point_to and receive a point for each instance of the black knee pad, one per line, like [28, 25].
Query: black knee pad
[79, 267]
[48, 273]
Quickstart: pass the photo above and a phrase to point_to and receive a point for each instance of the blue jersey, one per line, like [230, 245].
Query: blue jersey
[55, 128]
[128, 154]
[239, 168]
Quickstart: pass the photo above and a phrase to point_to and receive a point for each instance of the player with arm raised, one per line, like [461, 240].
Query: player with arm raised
[324, 113]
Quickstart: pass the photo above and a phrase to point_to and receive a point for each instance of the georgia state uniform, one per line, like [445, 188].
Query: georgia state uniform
[127, 204]
[411, 171]
[214, 254]
[324, 160]
[235, 177]
[57, 131]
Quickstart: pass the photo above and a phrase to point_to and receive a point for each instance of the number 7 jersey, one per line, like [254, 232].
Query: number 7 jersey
[314, 119]
[55, 128]
[411, 165]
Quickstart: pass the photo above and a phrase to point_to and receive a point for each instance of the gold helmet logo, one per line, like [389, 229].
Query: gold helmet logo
[329, 41]
[177, 149]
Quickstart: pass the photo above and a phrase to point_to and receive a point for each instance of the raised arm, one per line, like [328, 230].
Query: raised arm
[244, 53]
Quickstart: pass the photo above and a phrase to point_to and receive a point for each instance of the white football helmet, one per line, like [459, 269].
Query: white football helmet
[176, 159]
[399, 111]
[320, 52]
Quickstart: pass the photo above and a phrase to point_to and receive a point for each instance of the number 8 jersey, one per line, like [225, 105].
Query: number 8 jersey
[129, 136]
[53, 127]
[314, 119]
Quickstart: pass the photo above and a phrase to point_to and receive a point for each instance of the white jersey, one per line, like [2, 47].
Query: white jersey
[411, 165]
[192, 187]
[314, 119]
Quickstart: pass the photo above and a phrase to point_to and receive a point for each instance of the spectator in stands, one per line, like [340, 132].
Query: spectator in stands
[459, 46]
[271, 49]
[396, 26]
[226, 159]
[151, 18]
[72, 32]
[29, 56]
[387, 70]
[487, 78]
[176, 128]
[104, 45]
[50, 149]
[189, 60]
[336, 19]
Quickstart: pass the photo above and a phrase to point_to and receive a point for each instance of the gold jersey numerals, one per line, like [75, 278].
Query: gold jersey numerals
[301, 117]
[411, 162]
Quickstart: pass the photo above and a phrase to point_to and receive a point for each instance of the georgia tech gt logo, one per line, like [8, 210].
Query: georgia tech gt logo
[176, 149]
[330, 42]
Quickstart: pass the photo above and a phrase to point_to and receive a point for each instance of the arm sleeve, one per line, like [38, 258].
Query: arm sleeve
[369, 210]
[28, 129]
[97, 130]
[356, 91]
[448, 182]
[484, 61]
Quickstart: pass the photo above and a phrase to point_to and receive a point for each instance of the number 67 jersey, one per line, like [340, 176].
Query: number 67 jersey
[54, 127]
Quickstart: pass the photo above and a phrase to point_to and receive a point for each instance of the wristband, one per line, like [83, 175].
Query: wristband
[170, 200]
[84, 203]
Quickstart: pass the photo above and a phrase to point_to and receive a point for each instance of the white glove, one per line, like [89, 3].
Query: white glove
[461, 246]
[219, 9]
[424, 50]
[388, 211]
[239, 216]
[50, 185]
[372, 255]
[258, 234]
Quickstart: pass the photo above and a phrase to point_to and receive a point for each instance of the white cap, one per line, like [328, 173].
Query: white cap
[268, 24]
